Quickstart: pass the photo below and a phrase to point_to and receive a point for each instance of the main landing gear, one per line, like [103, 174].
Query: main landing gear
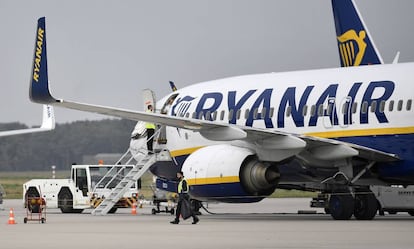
[362, 204]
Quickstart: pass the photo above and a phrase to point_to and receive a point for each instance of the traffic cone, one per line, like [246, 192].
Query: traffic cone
[11, 217]
[134, 208]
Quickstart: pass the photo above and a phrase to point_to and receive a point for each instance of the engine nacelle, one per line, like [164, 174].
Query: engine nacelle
[229, 173]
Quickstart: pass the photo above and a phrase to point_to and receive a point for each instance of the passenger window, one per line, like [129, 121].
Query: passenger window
[364, 107]
[320, 110]
[231, 112]
[313, 110]
[264, 112]
[187, 115]
[391, 106]
[288, 111]
[200, 115]
[246, 114]
[305, 110]
[271, 112]
[374, 106]
[382, 106]
[208, 115]
[194, 115]
[400, 105]
[222, 115]
[238, 114]
[354, 107]
[214, 115]
[409, 104]
[255, 113]
[329, 111]
[345, 107]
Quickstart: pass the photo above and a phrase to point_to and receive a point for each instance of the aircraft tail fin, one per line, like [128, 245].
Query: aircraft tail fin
[355, 44]
[39, 85]
[173, 87]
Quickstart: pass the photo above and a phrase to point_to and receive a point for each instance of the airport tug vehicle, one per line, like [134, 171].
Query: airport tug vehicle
[86, 188]
[105, 188]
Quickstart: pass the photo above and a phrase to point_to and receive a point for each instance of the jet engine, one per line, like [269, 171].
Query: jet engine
[229, 174]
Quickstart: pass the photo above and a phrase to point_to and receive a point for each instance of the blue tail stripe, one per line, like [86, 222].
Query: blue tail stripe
[39, 87]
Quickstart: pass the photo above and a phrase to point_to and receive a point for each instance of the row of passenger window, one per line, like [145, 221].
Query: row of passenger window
[392, 105]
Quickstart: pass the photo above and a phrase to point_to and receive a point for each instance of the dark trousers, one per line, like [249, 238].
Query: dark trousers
[179, 204]
[150, 139]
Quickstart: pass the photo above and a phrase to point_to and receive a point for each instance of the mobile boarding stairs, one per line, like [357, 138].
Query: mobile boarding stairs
[142, 159]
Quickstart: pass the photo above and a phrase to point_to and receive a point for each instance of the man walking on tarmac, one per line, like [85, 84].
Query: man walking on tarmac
[182, 196]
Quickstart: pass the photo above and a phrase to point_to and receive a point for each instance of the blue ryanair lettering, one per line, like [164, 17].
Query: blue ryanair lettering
[233, 106]
[289, 98]
[201, 109]
[325, 106]
[262, 101]
[388, 87]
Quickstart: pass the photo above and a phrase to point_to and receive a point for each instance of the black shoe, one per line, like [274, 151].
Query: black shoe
[195, 221]
[174, 222]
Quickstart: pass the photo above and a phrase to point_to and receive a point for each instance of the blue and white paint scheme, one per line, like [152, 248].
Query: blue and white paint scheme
[237, 139]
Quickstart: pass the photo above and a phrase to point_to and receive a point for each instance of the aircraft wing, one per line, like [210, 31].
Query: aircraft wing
[48, 123]
[268, 141]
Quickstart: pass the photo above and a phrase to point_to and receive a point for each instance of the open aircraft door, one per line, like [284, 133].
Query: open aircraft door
[148, 97]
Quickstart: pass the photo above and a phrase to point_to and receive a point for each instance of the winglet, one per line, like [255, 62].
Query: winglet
[39, 87]
[48, 121]
[396, 58]
[355, 44]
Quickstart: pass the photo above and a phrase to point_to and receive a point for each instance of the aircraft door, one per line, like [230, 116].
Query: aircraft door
[148, 97]
[329, 113]
[344, 117]
[166, 109]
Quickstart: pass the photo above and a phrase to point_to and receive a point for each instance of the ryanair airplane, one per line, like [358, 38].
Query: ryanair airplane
[237, 139]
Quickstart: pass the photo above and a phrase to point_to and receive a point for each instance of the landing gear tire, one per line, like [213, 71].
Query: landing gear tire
[341, 206]
[366, 206]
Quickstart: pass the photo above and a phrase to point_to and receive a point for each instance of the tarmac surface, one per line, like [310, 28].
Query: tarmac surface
[272, 223]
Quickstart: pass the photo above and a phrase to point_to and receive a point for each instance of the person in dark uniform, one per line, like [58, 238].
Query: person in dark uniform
[182, 194]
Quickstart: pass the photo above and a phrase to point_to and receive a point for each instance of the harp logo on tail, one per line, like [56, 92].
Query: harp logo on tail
[352, 47]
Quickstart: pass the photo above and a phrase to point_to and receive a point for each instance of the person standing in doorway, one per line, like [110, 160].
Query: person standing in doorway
[150, 131]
